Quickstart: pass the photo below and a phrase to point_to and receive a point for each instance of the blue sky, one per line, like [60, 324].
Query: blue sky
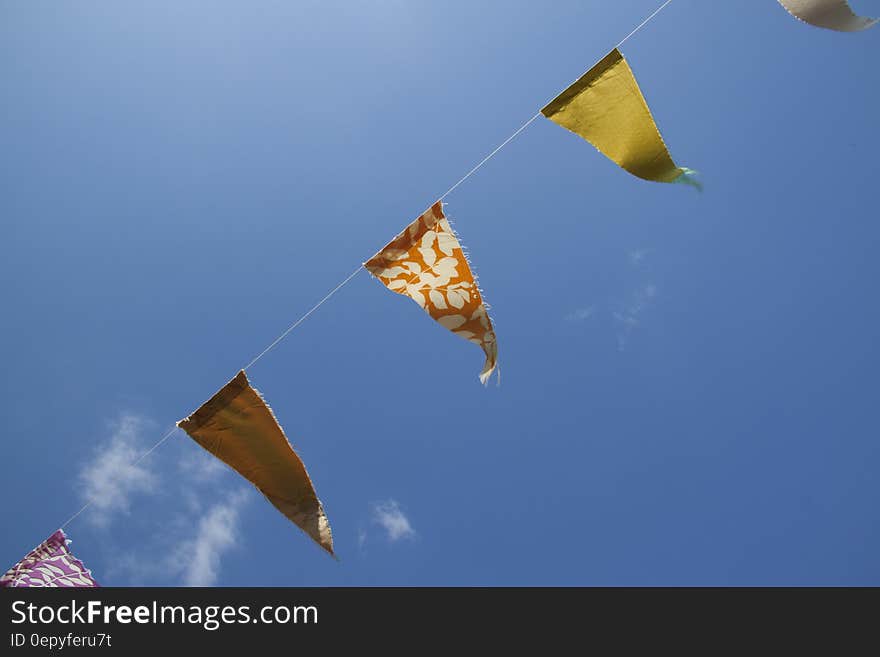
[689, 386]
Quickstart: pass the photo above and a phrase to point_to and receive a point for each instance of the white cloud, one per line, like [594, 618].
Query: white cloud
[198, 559]
[580, 314]
[186, 550]
[391, 518]
[629, 317]
[192, 538]
[637, 256]
[201, 466]
[114, 475]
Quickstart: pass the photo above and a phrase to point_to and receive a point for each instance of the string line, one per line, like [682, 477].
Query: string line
[304, 317]
[139, 459]
[538, 113]
[336, 289]
[643, 23]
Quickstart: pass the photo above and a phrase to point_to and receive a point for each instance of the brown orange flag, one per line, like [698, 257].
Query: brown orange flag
[239, 428]
[426, 263]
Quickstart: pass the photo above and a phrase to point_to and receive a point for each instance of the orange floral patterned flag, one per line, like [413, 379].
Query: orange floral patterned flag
[426, 263]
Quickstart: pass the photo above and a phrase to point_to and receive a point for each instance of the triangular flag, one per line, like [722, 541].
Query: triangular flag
[607, 108]
[426, 263]
[49, 564]
[239, 428]
[830, 14]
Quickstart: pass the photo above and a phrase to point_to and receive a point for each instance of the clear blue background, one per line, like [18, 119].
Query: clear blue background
[181, 180]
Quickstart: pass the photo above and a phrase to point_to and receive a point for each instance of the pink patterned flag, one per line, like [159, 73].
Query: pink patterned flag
[49, 564]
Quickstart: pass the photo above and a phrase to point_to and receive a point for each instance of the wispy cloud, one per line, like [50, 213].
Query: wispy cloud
[625, 310]
[580, 314]
[199, 557]
[188, 549]
[194, 536]
[201, 466]
[628, 318]
[113, 475]
[390, 517]
[637, 256]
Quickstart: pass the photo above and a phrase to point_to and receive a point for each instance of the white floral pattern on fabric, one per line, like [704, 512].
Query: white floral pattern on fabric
[426, 263]
[50, 564]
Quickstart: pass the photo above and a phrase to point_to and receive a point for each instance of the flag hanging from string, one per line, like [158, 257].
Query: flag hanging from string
[830, 14]
[426, 263]
[50, 564]
[606, 107]
[238, 427]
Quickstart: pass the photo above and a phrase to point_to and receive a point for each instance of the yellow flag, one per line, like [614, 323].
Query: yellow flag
[426, 263]
[237, 427]
[607, 108]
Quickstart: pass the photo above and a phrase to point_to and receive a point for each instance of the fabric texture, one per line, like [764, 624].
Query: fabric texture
[239, 428]
[606, 107]
[426, 263]
[50, 564]
[830, 14]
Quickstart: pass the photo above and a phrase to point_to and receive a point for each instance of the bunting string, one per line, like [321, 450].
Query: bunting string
[136, 461]
[360, 267]
[476, 168]
[538, 114]
[293, 326]
[426, 263]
